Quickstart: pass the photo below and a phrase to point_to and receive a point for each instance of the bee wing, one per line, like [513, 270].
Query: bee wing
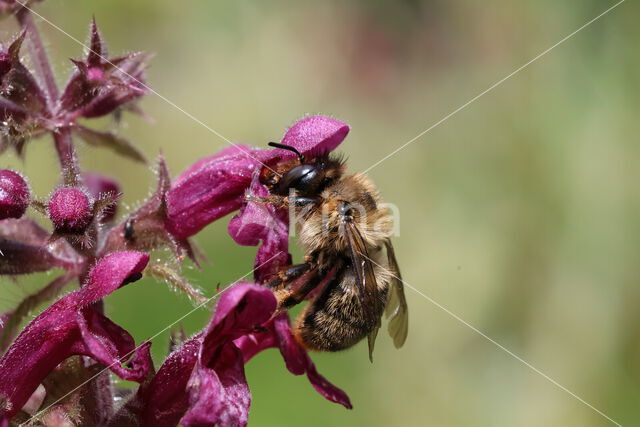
[396, 309]
[365, 278]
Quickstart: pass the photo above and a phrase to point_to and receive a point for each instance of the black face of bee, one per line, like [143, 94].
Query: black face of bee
[304, 178]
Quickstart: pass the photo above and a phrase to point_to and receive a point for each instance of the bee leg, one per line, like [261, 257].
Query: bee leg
[287, 299]
[281, 201]
[302, 201]
[288, 274]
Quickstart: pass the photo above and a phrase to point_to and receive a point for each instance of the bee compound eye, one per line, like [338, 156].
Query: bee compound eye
[304, 178]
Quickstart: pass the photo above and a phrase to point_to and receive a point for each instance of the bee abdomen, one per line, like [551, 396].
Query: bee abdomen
[328, 330]
[334, 321]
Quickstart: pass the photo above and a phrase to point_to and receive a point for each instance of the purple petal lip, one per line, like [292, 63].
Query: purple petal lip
[72, 326]
[215, 186]
[14, 194]
[315, 135]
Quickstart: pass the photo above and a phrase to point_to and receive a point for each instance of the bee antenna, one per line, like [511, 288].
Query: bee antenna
[287, 147]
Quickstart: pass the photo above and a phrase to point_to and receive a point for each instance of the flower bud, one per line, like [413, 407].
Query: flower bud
[14, 194]
[70, 210]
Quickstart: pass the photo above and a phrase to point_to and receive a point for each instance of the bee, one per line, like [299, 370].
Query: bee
[350, 273]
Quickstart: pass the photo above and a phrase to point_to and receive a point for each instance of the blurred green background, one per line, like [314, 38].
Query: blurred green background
[520, 214]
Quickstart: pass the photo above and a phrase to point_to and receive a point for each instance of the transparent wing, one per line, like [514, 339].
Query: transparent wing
[396, 309]
[365, 279]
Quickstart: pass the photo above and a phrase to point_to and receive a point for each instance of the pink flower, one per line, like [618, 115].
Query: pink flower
[215, 186]
[100, 85]
[203, 382]
[73, 326]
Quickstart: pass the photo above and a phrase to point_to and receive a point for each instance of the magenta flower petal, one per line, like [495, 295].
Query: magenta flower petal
[72, 326]
[219, 395]
[314, 135]
[262, 223]
[208, 190]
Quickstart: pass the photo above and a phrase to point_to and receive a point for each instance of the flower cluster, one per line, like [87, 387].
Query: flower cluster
[58, 367]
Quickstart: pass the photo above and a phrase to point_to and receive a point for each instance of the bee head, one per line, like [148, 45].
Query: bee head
[308, 179]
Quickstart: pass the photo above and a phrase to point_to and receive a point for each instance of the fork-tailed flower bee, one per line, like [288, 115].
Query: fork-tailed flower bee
[349, 261]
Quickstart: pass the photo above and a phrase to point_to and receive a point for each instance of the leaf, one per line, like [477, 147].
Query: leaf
[110, 140]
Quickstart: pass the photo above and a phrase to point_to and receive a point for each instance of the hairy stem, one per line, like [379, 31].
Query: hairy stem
[67, 156]
[39, 54]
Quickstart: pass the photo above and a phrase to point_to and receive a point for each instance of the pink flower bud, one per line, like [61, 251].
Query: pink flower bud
[70, 210]
[14, 194]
